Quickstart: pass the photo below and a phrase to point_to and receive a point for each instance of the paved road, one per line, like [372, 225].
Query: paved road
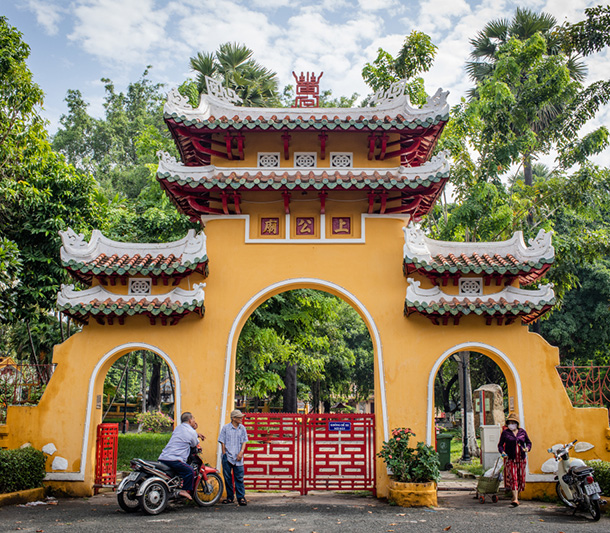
[320, 512]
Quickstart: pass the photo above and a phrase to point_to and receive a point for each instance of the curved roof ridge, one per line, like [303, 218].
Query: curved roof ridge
[169, 166]
[190, 249]
[213, 107]
[423, 249]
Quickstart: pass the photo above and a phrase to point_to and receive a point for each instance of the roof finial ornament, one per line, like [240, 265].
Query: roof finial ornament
[176, 99]
[308, 90]
[225, 94]
[386, 96]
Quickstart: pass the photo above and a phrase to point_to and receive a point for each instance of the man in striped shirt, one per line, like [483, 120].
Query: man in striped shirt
[233, 439]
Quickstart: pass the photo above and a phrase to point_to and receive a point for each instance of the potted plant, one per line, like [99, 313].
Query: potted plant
[413, 472]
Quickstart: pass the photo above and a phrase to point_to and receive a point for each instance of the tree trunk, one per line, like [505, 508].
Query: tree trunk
[315, 397]
[154, 389]
[290, 389]
[143, 385]
[467, 410]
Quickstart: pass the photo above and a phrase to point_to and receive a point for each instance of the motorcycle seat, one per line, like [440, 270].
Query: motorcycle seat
[581, 470]
[158, 465]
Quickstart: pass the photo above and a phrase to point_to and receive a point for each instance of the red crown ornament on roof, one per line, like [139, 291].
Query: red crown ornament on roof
[308, 90]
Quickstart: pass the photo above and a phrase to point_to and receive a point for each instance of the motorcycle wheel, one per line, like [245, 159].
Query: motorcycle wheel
[210, 493]
[562, 497]
[595, 510]
[154, 498]
[128, 500]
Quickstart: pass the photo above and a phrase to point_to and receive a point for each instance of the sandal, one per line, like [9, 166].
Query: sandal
[226, 501]
[242, 501]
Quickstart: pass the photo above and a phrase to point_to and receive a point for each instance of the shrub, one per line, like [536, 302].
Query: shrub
[601, 473]
[154, 422]
[21, 469]
[410, 465]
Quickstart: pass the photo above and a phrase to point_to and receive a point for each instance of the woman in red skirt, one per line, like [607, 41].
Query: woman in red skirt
[513, 445]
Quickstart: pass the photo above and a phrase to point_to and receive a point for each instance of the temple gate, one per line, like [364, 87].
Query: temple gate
[316, 198]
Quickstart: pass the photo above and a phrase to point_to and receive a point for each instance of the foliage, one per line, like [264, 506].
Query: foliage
[232, 65]
[590, 35]
[147, 446]
[320, 334]
[415, 56]
[120, 150]
[10, 269]
[154, 422]
[21, 469]
[409, 465]
[601, 473]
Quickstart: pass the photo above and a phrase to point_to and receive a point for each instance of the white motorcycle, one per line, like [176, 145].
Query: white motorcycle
[576, 488]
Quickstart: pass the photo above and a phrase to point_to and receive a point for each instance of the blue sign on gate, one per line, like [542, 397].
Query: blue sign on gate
[339, 426]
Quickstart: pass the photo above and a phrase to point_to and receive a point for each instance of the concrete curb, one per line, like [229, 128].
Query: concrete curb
[23, 496]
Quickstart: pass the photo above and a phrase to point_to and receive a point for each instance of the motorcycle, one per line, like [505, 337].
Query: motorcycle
[152, 484]
[576, 488]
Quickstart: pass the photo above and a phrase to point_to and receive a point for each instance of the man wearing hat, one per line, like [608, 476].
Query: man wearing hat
[233, 439]
[514, 445]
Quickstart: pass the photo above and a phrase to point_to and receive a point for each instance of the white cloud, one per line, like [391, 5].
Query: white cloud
[47, 14]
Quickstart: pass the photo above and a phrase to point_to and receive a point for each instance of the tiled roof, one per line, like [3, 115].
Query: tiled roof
[106, 306]
[504, 306]
[210, 177]
[510, 259]
[214, 113]
[102, 257]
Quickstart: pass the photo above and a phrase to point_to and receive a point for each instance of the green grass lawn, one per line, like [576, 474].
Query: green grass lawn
[142, 445]
[456, 454]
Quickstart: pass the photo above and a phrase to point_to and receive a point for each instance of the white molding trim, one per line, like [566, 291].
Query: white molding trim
[130, 346]
[322, 284]
[288, 239]
[472, 346]
[469, 346]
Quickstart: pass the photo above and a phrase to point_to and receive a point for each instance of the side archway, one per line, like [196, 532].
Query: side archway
[97, 376]
[303, 283]
[499, 357]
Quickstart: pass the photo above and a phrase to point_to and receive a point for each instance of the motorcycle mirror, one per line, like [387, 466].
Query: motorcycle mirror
[583, 447]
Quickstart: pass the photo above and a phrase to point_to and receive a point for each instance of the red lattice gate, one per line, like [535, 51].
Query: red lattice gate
[106, 456]
[310, 452]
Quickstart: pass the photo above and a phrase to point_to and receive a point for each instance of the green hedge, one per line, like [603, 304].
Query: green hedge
[601, 473]
[21, 469]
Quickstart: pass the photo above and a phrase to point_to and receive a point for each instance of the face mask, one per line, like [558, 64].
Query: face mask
[512, 427]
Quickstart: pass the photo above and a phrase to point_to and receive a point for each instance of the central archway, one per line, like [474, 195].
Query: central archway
[304, 283]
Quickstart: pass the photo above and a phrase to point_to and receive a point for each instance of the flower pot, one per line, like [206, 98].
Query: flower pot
[413, 494]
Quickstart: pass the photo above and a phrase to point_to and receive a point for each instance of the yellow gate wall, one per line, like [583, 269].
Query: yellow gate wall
[242, 275]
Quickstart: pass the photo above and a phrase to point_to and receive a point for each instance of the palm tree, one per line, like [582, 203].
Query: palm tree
[232, 64]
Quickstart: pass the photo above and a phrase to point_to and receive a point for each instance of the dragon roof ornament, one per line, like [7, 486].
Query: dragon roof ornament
[191, 248]
[218, 104]
[67, 296]
[421, 248]
[394, 91]
[427, 297]
[224, 94]
[168, 166]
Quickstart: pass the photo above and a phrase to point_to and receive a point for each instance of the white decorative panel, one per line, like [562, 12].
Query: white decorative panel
[341, 159]
[471, 287]
[305, 159]
[268, 159]
[139, 286]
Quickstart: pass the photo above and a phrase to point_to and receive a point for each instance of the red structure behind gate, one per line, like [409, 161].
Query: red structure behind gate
[106, 456]
[310, 452]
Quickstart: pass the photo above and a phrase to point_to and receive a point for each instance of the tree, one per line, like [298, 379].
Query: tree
[40, 194]
[233, 66]
[414, 57]
[305, 343]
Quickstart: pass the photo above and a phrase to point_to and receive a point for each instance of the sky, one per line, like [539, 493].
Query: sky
[75, 43]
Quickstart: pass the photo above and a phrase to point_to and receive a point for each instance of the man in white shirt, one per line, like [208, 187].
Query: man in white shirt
[233, 439]
[177, 451]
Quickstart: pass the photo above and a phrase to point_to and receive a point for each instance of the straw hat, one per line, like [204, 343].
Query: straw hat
[512, 417]
[236, 413]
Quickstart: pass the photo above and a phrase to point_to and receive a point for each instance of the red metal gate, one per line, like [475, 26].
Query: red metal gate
[310, 452]
[106, 456]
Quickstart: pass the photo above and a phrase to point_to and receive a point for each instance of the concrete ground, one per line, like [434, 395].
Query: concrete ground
[318, 512]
